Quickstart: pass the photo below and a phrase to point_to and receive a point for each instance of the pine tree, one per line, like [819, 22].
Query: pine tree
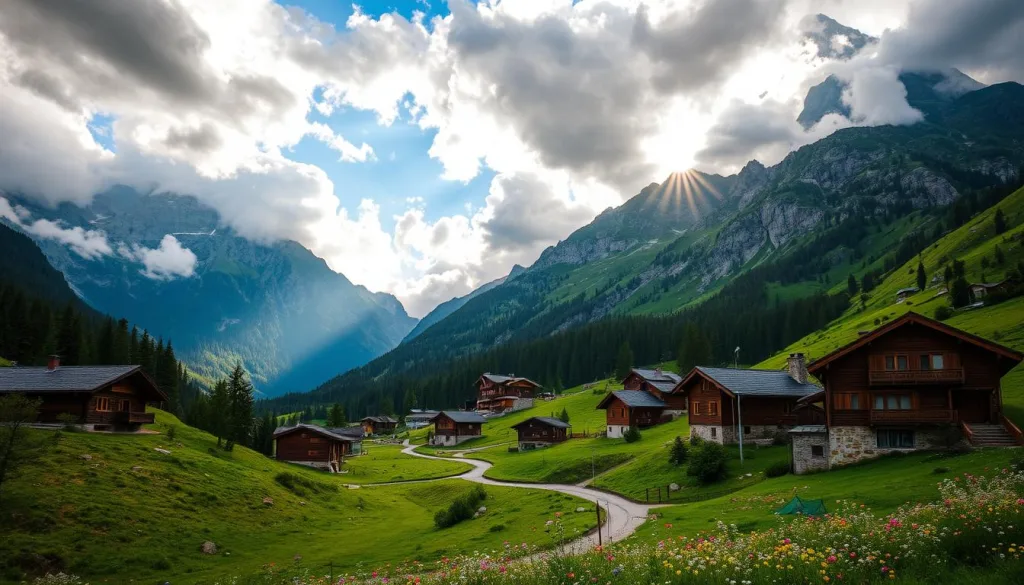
[922, 278]
[1000, 221]
[624, 361]
[1000, 256]
[336, 416]
[69, 337]
[167, 378]
[564, 415]
[947, 275]
[960, 293]
[121, 352]
[679, 452]
[695, 349]
[219, 414]
[146, 350]
[240, 400]
[105, 343]
[133, 347]
[410, 402]
[851, 285]
[387, 406]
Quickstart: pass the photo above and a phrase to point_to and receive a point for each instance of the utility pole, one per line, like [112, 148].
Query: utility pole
[739, 416]
[597, 506]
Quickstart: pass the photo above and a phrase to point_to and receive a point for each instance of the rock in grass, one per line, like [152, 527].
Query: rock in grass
[581, 509]
[482, 510]
[164, 451]
[209, 548]
[268, 501]
[86, 456]
[673, 487]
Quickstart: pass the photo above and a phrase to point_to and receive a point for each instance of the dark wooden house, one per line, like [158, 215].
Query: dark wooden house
[97, 397]
[541, 431]
[497, 393]
[452, 427]
[378, 425]
[911, 384]
[660, 384]
[727, 403]
[630, 408]
[316, 446]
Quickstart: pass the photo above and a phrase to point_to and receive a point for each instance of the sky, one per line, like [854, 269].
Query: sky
[424, 148]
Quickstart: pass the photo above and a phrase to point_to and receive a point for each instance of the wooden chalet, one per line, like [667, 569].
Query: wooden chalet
[726, 404]
[316, 446]
[660, 384]
[498, 393]
[97, 397]
[909, 384]
[630, 408]
[452, 427]
[541, 431]
[378, 425]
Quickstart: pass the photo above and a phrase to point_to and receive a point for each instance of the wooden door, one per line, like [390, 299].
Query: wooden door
[973, 406]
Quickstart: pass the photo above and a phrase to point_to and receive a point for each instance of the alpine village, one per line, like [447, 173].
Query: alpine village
[798, 362]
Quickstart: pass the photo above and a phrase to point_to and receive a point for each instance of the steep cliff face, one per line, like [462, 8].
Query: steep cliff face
[277, 308]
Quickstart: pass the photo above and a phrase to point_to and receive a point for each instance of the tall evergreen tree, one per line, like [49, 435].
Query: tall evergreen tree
[624, 361]
[336, 416]
[219, 412]
[851, 285]
[121, 352]
[960, 293]
[69, 337]
[105, 343]
[922, 278]
[1000, 221]
[240, 401]
[695, 349]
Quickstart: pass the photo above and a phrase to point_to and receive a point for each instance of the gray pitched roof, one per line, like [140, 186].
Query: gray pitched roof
[665, 387]
[461, 416]
[638, 399]
[341, 434]
[62, 379]
[548, 420]
[758, 382]
[500, 379]
[658, 376]
[380, 419]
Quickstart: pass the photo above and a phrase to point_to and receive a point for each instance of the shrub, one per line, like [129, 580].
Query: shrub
[940, 470]
[696, 441]
[943, 312]
[462, 508]
[631, 435]
[777, 469]
[678, 453]
[302, 486]
[172, 432]
[497, 528]
[707, 463]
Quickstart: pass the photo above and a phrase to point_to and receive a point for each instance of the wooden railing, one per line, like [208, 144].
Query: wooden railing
[945, 376]
[146, 418]
[968, 433]
[913, 416]
[1012, 428]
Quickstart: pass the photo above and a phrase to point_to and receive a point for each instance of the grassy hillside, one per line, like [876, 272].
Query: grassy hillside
[111, 507]
[380, 463]
[974, 243]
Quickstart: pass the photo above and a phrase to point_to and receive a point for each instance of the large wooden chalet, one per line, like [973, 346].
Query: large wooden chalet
[630, 408]
[498, 393]
[727, 403]
[452, 427]
[378, 425]
[541, 431]
[316, 446]
[660, 384]
[913, 383]
[96, 397]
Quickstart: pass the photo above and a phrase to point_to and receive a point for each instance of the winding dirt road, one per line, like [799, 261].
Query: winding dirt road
[623, 516]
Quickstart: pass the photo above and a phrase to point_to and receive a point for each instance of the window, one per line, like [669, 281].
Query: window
[714, 432]
[695, 409]
[713, 408]
[124, 406]
[316, 440]
[746, 430]
[848, 401]
[897, 362]
[937, 362]
[312, 453]
[892, 402]
[817, 451]
[895, 439]
[102, 404]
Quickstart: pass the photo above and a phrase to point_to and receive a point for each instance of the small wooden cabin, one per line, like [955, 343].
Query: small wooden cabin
[498, 393]
[378, 425]
[452, 427]
[541, 431]
[630, 408]
[316, 446]
[660, 384]
[724, 402]
[97, 397]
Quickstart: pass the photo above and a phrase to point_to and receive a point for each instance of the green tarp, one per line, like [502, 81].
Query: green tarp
[805, 507]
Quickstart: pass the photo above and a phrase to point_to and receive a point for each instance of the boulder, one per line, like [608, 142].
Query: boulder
[302, 503]
[268, 501]
[209, 548]
[136, 468]
[164, 451]
[86, 456]
[673, 487]
[482, 510]
[581, 509]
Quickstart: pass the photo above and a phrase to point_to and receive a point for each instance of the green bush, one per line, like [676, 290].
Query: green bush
[943, 312]
[696, 441]
[707, 463]
[678, 453]
[777, 469]
[302, 486]
[631, 435]
[461, 509]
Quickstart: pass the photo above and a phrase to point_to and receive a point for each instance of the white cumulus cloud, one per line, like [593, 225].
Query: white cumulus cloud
[168, 261]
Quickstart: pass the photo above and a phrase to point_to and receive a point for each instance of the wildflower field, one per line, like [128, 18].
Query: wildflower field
[972, 533]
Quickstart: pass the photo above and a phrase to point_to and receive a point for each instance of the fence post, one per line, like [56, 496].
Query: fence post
[647, 495]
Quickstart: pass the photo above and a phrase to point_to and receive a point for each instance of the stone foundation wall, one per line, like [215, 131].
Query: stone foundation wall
[728, 435]
[616, 431]
[851, 444]
[521, 404]
[705, 432]
[804, 460]
[450, 440]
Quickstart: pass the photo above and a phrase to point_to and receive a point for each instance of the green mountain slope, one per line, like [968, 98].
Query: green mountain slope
[112, 508]
[975, 245]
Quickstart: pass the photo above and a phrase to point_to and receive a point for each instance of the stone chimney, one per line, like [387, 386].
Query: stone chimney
[657, 371]
[797, 367]
[53, 363]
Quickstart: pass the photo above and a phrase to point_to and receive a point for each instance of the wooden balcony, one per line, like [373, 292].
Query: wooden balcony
[913, 417]
[132, 418]
[916, 377]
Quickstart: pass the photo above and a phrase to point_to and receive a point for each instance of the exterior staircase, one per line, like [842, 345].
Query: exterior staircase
[991, 435]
